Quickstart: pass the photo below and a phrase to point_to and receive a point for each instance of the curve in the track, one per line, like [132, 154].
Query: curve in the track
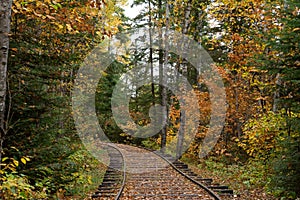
[149, 175]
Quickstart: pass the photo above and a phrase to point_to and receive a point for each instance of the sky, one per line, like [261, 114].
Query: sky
[132, 12]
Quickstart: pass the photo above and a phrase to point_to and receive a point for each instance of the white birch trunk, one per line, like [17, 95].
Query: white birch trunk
[5, 13]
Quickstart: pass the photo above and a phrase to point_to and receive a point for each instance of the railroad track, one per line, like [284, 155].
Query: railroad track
[115, 177]
[136, 173]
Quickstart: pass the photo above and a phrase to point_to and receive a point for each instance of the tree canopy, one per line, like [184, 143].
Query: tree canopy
[255, 49]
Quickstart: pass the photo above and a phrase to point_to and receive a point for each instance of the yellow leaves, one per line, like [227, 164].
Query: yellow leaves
[4, 159]
[77, 18]
[98, 33]
[260, 135]
[250, 152]
[18, 5]
[24, 160]
[104, 74]
[94, 12]
[296, 29]
[11, 164]
[60, 26]
[69, 27]
[15, 162]
[15, 148]
[236, 139]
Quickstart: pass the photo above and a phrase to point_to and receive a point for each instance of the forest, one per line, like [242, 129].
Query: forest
[253, 52]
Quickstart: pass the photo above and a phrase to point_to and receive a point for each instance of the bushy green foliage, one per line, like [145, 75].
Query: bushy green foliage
[88, 176]
[283, 60]
[254, 174]
[45, 53]
[285, 181]
[16, 186]
[150, 144]
[268, 140]
[103, 101]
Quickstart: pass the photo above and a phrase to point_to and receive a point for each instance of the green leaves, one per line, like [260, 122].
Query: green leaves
[49, 40]
[56, 6]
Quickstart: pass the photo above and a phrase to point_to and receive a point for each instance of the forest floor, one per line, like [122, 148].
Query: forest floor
[234, 177]
[248, 182]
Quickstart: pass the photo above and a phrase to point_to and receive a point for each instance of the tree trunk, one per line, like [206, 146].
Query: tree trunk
[151, 54]
[180, 139]
[5, 13]
[276, 95]
[164, 89]
[161, 78]
[238, 125]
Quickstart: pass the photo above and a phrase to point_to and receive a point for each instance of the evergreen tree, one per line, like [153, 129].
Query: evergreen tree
[283, 60]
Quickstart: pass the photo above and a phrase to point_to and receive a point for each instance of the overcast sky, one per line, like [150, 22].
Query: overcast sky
[132, 12]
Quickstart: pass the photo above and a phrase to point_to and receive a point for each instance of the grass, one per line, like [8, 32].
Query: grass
[248, 181]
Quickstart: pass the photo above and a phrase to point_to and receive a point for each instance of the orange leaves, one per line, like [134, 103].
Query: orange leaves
[243, 49]
[237, 37]
[67, 16]
[47, 22]
[174, 114]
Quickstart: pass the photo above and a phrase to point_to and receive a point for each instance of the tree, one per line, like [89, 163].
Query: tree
[49, 40]
[189, 18]
[5, 14]
[282, 61]
[181, 132]
[154, 17]
[165, 65]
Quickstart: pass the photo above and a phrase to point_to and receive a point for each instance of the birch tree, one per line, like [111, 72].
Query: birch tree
[5, 12]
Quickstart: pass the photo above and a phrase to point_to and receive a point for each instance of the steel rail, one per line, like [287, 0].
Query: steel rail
[124, 171]
[212, 193]
[208, 190]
